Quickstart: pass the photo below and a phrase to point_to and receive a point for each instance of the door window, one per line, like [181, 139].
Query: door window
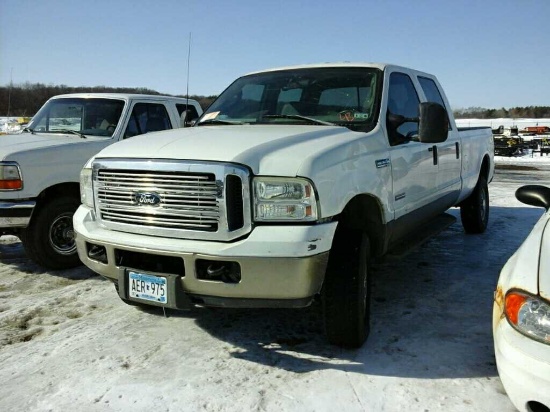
[431, 91]
[402, 100]
[147, 117]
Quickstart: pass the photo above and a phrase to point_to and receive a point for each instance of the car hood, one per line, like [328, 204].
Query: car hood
[18, 143]
[544, 265]
[267, 149]
[525, 267]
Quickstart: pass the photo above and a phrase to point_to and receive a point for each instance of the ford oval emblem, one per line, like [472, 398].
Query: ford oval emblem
[146, 199]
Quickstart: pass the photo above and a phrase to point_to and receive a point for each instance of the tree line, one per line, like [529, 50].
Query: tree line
[529, 112]
[24, 100]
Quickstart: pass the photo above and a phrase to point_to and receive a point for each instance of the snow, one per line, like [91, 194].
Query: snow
[67, 342]
[9, 125]
[506, 122]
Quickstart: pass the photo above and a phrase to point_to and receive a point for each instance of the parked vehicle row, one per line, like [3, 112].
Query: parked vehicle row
[281, 193]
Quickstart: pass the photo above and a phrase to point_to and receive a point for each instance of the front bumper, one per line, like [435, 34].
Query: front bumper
[280, 266]
[523, 366]
[16, 214]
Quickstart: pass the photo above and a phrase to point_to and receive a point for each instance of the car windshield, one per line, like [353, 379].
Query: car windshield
[78, 116]
[343, 96]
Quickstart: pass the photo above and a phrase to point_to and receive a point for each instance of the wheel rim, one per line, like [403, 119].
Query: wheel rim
[62, 234]
[483, 207]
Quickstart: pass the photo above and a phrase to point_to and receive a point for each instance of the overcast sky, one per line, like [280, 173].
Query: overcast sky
[489, 53]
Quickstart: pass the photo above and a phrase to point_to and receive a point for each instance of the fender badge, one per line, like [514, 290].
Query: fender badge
[382, 163]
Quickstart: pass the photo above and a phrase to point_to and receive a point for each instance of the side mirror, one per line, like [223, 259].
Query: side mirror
[396, 120]
[434, 123]
[534, 195]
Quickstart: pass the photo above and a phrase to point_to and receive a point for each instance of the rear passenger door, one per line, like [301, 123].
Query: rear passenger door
[147, 117]
[448, 181]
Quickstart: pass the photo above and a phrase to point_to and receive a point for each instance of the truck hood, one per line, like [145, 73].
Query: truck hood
[266, 149]
[18, 143]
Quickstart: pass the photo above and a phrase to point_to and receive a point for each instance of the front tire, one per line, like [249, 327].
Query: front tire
[346, 291]
[474, 211]
[49, 238]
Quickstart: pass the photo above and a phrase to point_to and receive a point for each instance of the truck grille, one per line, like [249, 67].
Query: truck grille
[172, 199]
[184, 201]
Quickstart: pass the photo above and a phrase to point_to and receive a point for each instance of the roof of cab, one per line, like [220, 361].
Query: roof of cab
[380, 66]
[122, 96]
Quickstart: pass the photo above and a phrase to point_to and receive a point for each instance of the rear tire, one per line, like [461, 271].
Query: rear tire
[49, 238]
[346, 291]
[474, 211]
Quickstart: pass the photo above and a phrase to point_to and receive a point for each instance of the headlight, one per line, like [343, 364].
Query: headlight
[10, 176]
[284, 199]
[528, 314]
[86, 190]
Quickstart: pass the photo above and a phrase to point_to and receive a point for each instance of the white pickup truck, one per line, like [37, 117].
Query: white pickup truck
[40, 168]
[283, 191]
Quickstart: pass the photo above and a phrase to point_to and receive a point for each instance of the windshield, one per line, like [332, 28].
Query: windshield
[344, 96]
[93, 117]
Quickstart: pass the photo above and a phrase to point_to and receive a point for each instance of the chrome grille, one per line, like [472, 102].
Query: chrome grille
[186, 201]
[175, 199]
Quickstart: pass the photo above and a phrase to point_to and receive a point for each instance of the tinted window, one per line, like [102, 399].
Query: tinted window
[431, 91]
[402, 100]
[147, 117]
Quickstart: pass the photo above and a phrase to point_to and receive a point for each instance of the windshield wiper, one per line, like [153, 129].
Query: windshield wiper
[70, 132]
[218, 121]
[28, 130]
[298, 117]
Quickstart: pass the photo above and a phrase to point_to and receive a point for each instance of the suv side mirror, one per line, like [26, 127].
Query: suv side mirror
[433, 123]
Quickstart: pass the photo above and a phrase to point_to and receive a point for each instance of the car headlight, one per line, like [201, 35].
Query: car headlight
[284, 199]
[10, 176]
[529, 315]
[86, 188]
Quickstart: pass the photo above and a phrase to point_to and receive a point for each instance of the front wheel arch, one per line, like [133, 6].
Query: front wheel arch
[49, 238]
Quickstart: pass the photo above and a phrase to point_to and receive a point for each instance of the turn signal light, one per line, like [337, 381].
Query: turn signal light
[11, 184]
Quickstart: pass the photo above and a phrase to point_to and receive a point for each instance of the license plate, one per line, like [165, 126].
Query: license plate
[147, 287]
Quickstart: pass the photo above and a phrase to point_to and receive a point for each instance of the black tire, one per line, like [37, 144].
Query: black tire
[474, 211]
[346, 291]
[49, 238]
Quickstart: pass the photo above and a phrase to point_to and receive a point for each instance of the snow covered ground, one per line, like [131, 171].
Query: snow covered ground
[67, 343]
[506, 122]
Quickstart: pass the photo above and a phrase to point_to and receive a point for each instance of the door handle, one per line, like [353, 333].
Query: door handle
[433, 149]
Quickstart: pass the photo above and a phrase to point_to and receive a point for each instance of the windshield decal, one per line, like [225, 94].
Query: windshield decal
[352, 115]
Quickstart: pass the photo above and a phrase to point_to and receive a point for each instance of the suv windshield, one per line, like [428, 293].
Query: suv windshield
[92, 117]
[343, 96]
